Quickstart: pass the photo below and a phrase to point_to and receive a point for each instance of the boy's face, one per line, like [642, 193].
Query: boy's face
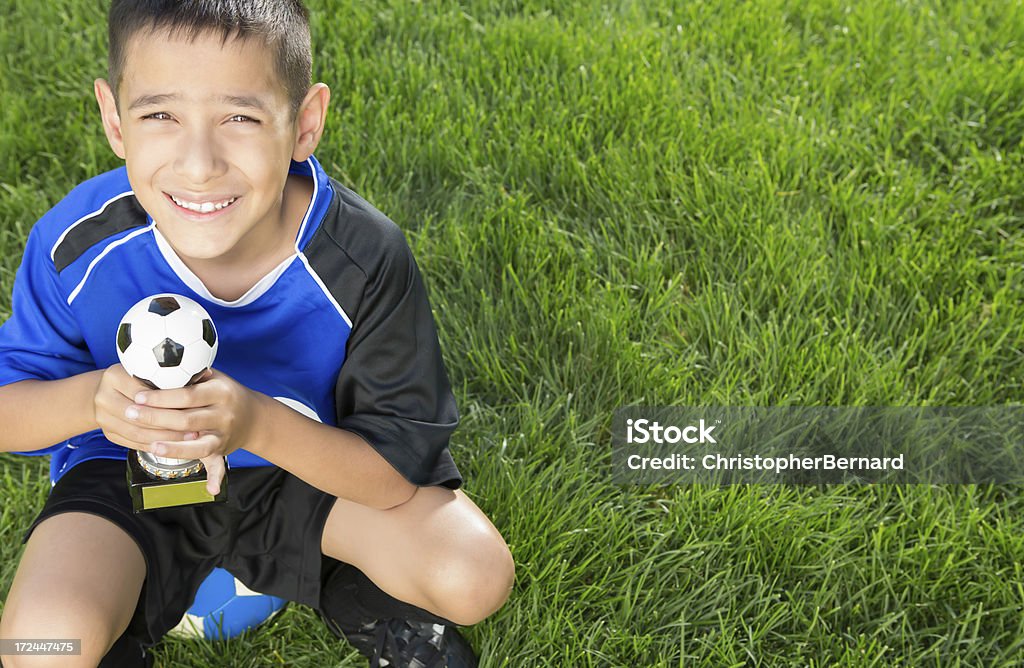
[207, 135]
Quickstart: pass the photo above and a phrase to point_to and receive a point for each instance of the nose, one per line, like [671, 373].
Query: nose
[198, 158]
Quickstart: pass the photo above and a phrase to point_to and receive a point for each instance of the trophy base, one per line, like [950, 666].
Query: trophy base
[149, 493]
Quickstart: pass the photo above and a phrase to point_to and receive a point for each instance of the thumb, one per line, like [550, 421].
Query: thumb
[215, 471]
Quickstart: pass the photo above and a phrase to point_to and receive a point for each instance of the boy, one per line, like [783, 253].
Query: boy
[349, 501]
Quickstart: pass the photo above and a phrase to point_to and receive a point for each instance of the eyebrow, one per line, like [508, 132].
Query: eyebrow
[246, 101]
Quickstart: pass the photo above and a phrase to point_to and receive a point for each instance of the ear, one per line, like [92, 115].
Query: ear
[309, 122]
[111, 119]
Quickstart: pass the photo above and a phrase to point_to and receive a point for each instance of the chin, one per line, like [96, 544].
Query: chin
[205, 255]
[199, 251]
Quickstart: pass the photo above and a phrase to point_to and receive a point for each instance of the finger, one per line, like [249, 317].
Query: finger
[204, 445]
[125, 383]
[193, 396]
[110, 408]
[126, 442]
[118, 439]
[173, 419]
[215, 471]
[111, 401]
[123, 432]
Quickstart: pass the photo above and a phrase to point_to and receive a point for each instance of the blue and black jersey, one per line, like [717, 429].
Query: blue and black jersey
[341, 331]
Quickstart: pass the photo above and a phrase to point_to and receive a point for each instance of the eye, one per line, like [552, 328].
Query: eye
[157, 116]
[241, 118]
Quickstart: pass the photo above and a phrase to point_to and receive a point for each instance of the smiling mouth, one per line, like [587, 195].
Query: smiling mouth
[202, 207]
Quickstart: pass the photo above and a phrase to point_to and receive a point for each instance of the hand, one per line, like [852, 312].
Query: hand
[216, 414]
[114, 395]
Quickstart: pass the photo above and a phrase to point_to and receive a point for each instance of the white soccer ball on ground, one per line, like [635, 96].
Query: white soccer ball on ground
[224, 608]
[166, 341]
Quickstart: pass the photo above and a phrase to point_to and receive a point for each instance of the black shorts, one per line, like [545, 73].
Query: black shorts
[267, 534]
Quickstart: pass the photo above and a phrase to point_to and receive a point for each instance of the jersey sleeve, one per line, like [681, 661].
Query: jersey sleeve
[393, 390]
[41, 340]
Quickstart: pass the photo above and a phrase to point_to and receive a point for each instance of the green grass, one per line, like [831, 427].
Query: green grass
[700, 203]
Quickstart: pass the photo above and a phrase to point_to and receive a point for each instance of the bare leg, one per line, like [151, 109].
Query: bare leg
[79, 578]
[437, 551]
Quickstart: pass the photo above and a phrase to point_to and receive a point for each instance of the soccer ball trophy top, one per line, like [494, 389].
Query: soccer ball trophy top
[167, 341]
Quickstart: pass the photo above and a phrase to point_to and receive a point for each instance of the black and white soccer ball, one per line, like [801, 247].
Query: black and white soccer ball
[166, 341]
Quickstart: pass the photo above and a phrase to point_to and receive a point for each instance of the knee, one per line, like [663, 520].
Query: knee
[53, 623]
[475, 584]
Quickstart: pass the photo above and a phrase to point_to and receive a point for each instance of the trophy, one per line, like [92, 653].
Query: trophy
[167, 341]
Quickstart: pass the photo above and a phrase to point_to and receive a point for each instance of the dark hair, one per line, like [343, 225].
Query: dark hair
[283, 25]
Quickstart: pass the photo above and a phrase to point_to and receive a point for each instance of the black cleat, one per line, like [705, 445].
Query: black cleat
[400, 643]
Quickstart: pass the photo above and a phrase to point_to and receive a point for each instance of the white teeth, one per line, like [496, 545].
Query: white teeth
[205, 207]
